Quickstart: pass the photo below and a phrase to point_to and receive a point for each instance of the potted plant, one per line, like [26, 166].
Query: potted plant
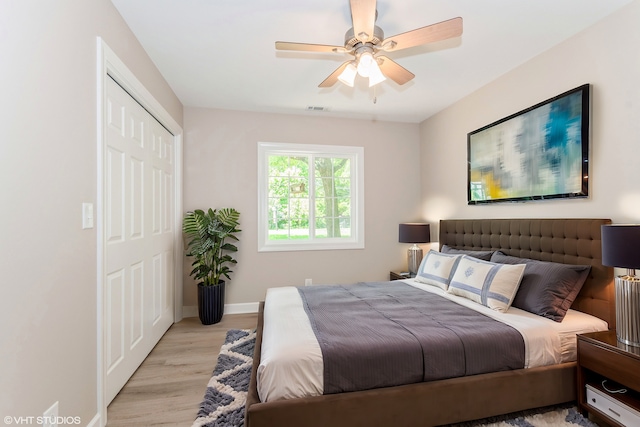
[207, 235]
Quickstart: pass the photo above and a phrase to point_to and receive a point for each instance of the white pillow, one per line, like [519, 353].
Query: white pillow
[437, 269]
[487, 283]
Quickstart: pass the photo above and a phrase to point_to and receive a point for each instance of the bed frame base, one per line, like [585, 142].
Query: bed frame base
[424, 404]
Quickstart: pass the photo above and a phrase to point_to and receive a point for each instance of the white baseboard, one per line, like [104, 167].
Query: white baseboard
[95, 422]
[246, 307]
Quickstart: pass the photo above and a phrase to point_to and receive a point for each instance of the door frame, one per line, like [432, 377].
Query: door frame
[109, 65]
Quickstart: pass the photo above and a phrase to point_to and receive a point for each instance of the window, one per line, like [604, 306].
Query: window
[310, 197]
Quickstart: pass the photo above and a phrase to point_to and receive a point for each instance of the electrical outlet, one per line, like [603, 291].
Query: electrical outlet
[307, 282]
[50, 416]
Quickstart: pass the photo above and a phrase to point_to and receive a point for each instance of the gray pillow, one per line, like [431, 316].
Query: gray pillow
[483, 255]
[547, 288]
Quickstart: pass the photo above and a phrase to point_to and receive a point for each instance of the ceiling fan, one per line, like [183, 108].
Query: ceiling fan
[365, 41]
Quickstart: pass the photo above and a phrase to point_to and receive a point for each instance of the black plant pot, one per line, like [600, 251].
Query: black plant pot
[211, 303]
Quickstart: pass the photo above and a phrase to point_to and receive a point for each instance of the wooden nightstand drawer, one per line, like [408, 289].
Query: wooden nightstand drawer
[609, 378]
[614, 365]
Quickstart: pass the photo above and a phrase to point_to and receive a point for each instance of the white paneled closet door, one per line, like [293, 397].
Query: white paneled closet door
[139, 205]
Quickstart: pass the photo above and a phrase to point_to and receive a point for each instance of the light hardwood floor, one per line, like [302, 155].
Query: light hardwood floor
[168, 387]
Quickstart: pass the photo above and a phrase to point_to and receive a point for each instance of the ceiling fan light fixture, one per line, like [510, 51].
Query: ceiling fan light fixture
[365, 63]
[348, 75]
[375, 75]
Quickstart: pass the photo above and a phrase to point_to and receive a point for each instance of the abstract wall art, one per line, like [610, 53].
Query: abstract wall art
[538, 153]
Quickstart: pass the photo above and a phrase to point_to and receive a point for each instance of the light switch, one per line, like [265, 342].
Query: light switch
[87, 215]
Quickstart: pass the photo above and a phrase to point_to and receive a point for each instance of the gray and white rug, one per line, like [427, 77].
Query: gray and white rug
[226, 395]
[224, 400]
[553, 416]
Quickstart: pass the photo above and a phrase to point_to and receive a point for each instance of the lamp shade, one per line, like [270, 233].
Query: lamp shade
[621, 246]
[414, 232]
[376, 76]
[365, 63]
[348, 75]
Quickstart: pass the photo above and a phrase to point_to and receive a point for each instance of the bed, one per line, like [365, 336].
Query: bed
[568, 241]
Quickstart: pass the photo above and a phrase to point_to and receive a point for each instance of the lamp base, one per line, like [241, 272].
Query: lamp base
[628, 310]
[414, 256]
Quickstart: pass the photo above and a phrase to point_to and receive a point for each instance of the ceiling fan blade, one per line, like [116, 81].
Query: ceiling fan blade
[394, 71]
[333, 77]
[363, 15]
[306, 47]
[429, 34]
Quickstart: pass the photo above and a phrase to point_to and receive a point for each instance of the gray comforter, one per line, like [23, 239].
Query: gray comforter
[389, 333]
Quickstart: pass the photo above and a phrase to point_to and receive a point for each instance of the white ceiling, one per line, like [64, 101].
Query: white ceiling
[221, 53]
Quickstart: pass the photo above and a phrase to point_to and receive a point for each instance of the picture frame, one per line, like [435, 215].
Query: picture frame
[538, 153]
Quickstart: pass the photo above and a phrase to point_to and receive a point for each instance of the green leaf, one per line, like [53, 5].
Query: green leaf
[229, 247]
[205, 234]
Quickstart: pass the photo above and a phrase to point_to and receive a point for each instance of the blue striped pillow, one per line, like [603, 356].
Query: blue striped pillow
[437, 269]
[490, 284]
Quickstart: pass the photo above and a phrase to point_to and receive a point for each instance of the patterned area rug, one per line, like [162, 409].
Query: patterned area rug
[224, 400]
[552, 416]
[226, 395]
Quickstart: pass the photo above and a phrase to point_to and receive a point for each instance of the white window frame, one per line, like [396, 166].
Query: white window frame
[356, 154]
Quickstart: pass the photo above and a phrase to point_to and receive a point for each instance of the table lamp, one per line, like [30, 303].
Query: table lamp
[414, 232]
[621, 248]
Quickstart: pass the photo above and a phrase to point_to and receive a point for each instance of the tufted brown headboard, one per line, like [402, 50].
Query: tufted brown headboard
[569, 241]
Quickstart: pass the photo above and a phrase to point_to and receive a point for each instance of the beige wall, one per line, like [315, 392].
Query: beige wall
[221, 171]
[48, 336]
[607, 56]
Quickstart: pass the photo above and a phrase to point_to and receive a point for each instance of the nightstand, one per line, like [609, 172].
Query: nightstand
[605, 368]
[394, 275]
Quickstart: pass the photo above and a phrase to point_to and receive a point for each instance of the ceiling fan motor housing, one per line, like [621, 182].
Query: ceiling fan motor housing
[350, 40]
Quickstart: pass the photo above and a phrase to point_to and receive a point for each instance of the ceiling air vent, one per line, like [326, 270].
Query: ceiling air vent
[317, 108]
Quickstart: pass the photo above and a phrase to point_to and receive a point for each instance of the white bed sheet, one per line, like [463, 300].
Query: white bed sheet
[291, 362]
